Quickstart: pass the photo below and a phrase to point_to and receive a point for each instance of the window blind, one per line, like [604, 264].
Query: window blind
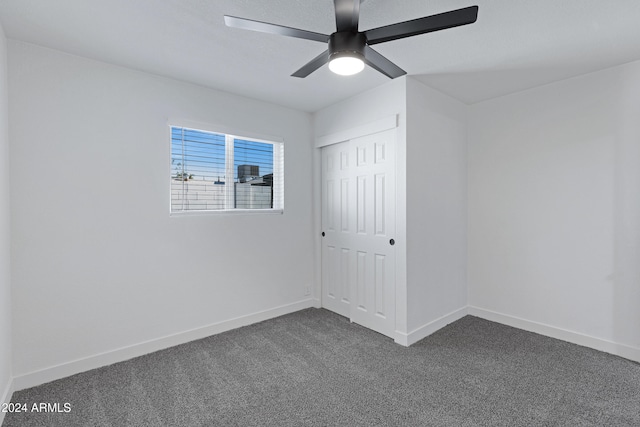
[215, 172]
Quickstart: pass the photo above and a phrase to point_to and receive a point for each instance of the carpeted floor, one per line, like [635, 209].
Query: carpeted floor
[315, 368]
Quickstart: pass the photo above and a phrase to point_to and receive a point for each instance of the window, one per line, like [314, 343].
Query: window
[220, 172]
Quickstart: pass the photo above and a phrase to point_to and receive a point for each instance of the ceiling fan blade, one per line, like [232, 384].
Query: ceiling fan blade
[347, 15]
[264, 27]
[382, 64]
[441, 21]
[312, 65]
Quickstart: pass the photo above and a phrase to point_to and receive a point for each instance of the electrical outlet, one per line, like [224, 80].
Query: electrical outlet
[307, 289]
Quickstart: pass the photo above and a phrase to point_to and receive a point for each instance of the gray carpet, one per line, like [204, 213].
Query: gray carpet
[315, 368]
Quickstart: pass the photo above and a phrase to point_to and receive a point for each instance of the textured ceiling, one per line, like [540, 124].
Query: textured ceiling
[514, 45]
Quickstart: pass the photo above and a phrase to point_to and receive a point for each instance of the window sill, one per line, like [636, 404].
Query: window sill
[229, 212]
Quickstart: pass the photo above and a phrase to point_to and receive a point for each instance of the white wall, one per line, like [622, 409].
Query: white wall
[436, 208]
[376, 104]
[554, 210]
[98, 263]
[5, 261]
[380, 102]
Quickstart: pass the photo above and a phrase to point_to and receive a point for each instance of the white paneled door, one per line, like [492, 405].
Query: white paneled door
[358, 226]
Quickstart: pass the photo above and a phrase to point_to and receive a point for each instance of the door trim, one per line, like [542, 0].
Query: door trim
[380, 125]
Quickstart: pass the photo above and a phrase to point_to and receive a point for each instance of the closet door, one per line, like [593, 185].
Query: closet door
[358, 220]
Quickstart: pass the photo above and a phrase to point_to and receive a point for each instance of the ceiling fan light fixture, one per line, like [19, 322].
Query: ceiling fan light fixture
[346, 53]
[346, 63]
[349, 49]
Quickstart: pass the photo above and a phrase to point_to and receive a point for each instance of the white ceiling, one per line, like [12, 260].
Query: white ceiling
[514, 45]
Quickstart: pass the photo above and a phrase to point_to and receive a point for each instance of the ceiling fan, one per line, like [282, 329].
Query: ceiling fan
[349, 49]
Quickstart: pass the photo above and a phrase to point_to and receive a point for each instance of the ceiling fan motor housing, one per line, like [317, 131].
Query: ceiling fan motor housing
[346, 43]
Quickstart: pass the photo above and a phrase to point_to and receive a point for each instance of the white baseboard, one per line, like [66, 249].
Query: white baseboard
[6, 397]
[429, 328]
[53, 373]
[628, 352]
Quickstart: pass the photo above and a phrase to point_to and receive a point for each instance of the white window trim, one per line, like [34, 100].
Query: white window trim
[230, 135]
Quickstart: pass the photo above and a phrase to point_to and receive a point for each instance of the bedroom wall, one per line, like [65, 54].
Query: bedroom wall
[101, 272]
[5, 259]
[436, 209]
[554, 210]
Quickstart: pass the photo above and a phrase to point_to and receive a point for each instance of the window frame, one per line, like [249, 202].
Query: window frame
[230, 135]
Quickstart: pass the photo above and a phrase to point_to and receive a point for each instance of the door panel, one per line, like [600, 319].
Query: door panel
[345, 278]
[358, 197]
[336, 255]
